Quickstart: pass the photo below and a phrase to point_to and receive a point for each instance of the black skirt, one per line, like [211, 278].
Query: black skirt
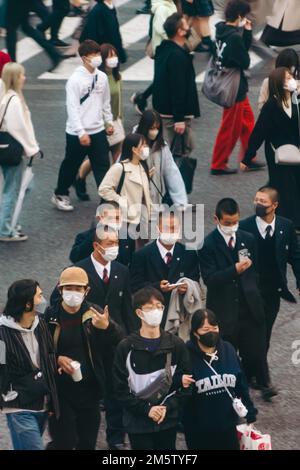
[202, 8]
[276, 37]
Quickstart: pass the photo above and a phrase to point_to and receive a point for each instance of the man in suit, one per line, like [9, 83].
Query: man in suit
[109, 285]
[277, 246]
[164, 261]
[108, 213]
[228, 267]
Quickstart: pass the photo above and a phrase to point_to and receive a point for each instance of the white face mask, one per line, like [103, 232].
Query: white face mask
[72, 298]
[153, 133]
[114, 226]
[153, 317]
[242, 23]
[145, 153]
[41, 307]
[230, 231]
[112, 62]
[95, 62]
[169, 238]
[291, 85]
[110, 254]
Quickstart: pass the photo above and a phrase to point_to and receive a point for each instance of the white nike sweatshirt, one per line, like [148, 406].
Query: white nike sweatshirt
[94, 114]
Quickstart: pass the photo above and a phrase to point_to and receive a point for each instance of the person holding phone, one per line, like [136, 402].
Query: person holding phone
[83, 333]
[164, 261]
[228, 262]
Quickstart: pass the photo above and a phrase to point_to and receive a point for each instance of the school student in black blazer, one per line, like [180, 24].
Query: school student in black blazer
[278, 246]
[108, 213]
[164, 261]
[228, 263]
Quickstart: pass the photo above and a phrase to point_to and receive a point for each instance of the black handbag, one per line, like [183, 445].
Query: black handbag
[11, 151]
[187, 165]
[31, 388]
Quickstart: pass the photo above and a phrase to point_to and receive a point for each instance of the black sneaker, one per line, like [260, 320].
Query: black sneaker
[58, 60]
[268, 392]
[255, 166]
[80, 189]
[140, 103]
[224, 171]
[59, 43]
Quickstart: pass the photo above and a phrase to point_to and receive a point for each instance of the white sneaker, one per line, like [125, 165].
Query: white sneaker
[62, 203]
[19, 237]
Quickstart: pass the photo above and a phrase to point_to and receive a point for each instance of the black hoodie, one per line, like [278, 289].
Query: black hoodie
[235, 47]
[137, 365]
[174, 86]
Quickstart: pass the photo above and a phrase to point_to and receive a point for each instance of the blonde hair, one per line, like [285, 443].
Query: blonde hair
[11, 76]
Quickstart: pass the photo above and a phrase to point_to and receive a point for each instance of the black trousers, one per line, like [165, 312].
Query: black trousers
[162, 440]
[79, 421]
[60, 9]
[98, 153]
[249, 339]
[226, 440]
[115, 433]
[271, 300]
[17, 15]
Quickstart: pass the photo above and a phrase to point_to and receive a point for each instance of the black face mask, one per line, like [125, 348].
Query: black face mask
[260, 210]
[209, 339]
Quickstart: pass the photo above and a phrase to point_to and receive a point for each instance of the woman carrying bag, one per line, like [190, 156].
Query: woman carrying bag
[220, 392]
[16, 122]
[111, 66]
[127, 183]
[165, 177]
[278, 125]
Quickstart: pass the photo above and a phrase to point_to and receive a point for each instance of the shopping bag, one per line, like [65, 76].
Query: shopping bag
[252, 439]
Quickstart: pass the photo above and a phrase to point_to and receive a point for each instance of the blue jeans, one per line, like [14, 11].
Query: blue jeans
[26, 429]
[12, 176]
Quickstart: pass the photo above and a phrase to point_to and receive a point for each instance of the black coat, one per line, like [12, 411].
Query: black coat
[102, 26]
[275, 126]
[222, 281]
[287, 250]
[174, 86]
[83, 247]
[149, 269]
[117, 297]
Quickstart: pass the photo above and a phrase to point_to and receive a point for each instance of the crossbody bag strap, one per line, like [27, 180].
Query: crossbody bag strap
[219, 376]
[85, 97]
[168, 368]
[121, 182]
[1, 123]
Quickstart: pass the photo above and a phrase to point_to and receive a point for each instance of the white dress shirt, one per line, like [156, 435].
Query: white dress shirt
[262, 226]
[100, 267]
[163, 251]
[228, 237]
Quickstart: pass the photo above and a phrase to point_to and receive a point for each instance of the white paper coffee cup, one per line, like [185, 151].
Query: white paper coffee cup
[77, 375]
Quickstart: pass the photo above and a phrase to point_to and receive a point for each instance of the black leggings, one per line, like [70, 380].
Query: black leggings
[162, 440]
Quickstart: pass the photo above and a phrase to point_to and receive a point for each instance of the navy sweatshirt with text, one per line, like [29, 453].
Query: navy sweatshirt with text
[210, 407]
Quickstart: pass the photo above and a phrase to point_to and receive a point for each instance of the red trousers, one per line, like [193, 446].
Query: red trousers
[237, 123]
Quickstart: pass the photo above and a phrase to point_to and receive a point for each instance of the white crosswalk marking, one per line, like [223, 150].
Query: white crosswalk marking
[133, 31]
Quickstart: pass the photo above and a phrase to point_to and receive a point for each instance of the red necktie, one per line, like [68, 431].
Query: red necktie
[105, 276]
[231, 243]
[169, 258]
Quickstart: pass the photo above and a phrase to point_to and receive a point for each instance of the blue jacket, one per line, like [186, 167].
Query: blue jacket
[210, 407]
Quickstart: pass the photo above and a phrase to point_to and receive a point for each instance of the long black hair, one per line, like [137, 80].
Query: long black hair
[198, 320]
[130, 141]
[19, 295]
[289, 58]
[148, 120]
[276, 85]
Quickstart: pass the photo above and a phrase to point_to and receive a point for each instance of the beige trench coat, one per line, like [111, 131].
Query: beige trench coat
[135, 189]
[289, 11]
